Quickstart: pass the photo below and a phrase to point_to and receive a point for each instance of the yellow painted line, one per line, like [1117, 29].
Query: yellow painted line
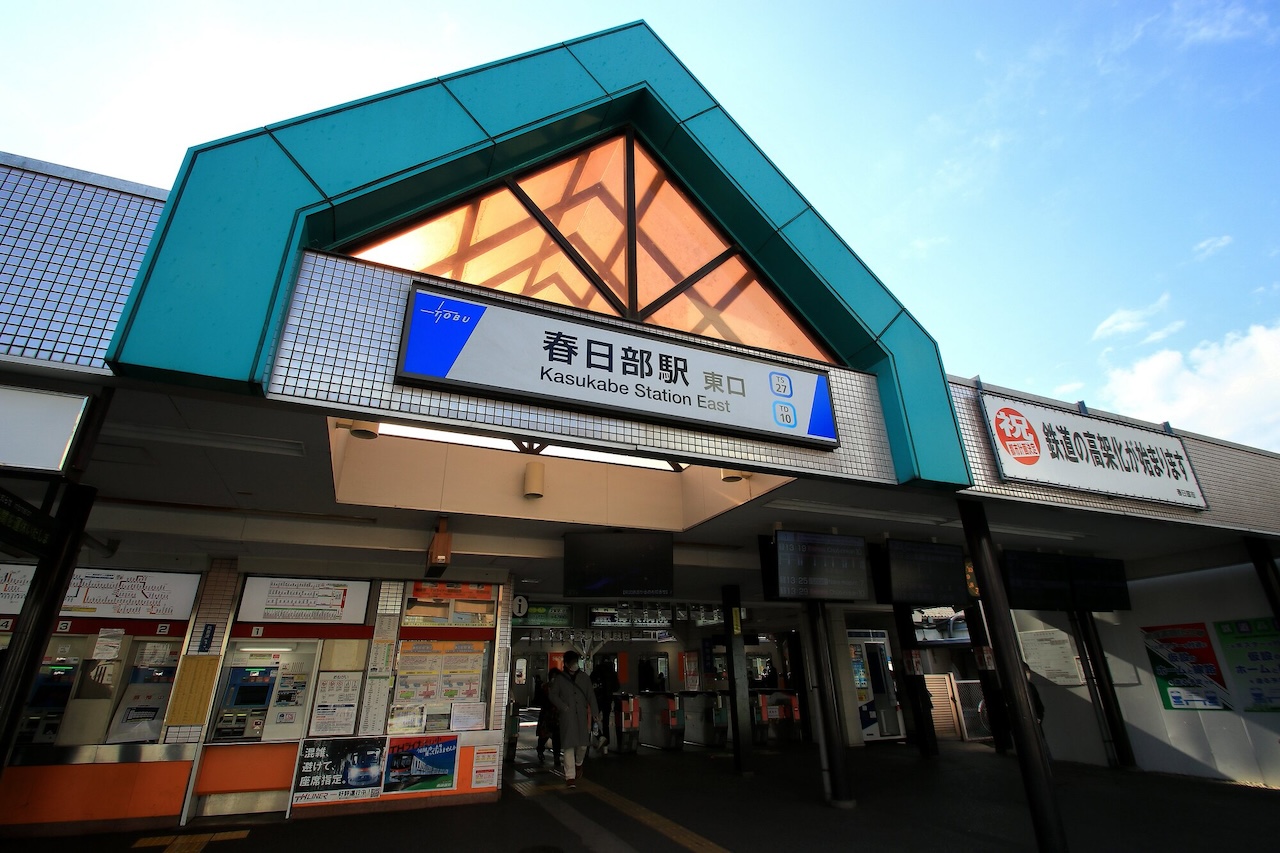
[234, 835]
[686, 838]
[189, 843]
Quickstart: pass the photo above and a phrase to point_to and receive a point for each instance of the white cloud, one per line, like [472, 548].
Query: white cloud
[1066, 390]
[1206, 248]
[1227, 389]
[1161, 334]
[1215, 22]
[1126, 320]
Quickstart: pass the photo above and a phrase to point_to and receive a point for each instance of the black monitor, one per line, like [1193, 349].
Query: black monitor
[1037, 581]
[1099, 584]
[624, 564]
[926, 573]
[252, 695]
[801, 566]
[1064, 582]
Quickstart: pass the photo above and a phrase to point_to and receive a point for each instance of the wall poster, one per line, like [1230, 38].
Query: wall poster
[1050, 654]
[337, 695]
[485, 763]
[1186, 668]
[422, 764]
[431, 675]
[338, 769]
[1252, 651]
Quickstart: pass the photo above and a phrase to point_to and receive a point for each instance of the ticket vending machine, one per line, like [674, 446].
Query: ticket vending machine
[879, 713]
[242, 713]
[45, 706]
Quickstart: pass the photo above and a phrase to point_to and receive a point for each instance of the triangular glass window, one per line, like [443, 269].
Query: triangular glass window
[605, 230]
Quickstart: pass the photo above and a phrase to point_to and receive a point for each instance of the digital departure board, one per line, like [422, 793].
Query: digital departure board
[926, 573]
[800, 566]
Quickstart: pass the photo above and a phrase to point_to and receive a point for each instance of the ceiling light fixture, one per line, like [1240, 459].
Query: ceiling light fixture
[857, 512]
[196, 438]
[512, 445]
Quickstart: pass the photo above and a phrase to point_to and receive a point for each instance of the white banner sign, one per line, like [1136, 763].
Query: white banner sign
[103, 594]
[1053, 447]
[304, 600]
[490, 346]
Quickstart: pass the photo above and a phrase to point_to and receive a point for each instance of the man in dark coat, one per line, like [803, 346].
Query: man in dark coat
[574, 698]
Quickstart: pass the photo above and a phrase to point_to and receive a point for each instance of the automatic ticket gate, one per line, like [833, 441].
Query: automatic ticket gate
[779, 714]
[661, 720]
[626, 718]
[706, 717]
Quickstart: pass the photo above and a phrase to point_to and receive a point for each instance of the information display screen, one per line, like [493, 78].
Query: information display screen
[1038, 581]
[926, 573]
[800, 566]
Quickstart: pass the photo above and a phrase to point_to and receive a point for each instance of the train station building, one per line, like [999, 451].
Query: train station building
[313, 465]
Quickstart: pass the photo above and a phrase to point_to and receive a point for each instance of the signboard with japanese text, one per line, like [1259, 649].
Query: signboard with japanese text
[545, 616]
[1054, 447]
[337, 695]
[109, 594]
[1186, 668]
[304, 600]
[339, 769]
[1251, 648]
[476, 343]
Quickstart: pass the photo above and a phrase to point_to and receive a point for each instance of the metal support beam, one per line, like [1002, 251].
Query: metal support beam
[40, 610]
[739, 700]
[1103, 690]
[1033, 758]
[832, 741]
[913, 682]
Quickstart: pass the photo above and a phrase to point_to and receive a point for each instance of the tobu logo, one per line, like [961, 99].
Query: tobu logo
[1017, 436]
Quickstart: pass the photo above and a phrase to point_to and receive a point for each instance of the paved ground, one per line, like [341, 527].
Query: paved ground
[966, 799]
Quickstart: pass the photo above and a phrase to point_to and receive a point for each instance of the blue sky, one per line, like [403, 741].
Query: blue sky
[1079, 200]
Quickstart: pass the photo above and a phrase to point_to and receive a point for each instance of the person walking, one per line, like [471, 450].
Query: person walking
[605, 679]
[574, 698]
[548, 719]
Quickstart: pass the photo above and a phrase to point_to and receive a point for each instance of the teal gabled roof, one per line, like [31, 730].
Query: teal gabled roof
[213, 289]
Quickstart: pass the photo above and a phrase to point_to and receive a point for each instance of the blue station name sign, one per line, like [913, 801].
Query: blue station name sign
[492, 347]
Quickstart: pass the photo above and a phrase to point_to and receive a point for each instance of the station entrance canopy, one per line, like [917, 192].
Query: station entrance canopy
[212, 295]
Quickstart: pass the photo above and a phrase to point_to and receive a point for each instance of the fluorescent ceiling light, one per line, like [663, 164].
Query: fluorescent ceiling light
[491, 443]
[1035, 532]
[610, 458]
[856, 512]
[196, 438]
[916, 518]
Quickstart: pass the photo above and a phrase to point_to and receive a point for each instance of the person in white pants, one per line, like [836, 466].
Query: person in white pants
[575, 699]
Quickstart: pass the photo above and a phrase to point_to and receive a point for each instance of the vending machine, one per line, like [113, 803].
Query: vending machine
[879, 712]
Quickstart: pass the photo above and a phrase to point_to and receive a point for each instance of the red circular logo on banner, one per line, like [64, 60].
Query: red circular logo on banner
[1017, 436]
